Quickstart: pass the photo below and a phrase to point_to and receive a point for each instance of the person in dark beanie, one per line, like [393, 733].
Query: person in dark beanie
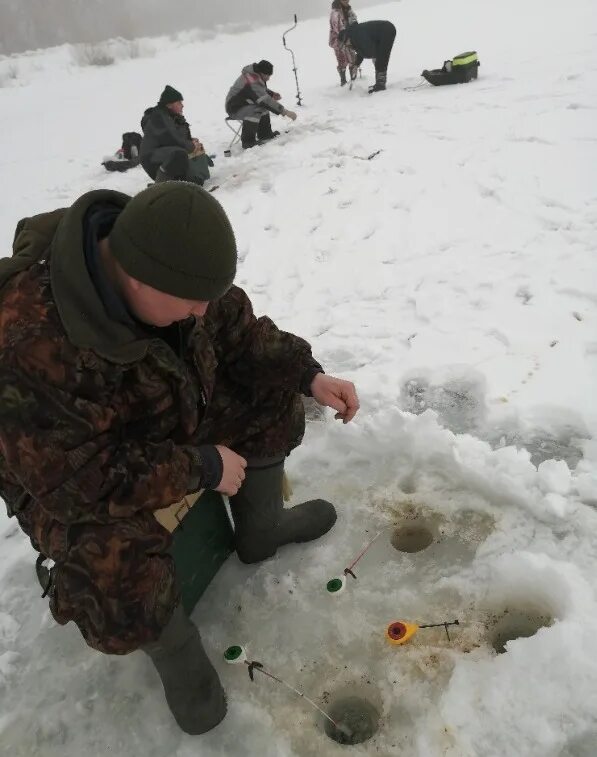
[372, 39]
[132, 373]
[168, 151]
[249, 100]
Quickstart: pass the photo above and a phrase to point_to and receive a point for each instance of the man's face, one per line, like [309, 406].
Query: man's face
[157, 308]
[266, 77]
[176, 107]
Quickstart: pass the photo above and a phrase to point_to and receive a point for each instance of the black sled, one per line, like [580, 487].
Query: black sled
[461, 69]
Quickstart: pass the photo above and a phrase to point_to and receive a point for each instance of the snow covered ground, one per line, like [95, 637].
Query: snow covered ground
[452, 278]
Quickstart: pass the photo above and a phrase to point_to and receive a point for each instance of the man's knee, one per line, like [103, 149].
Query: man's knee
[176, 164]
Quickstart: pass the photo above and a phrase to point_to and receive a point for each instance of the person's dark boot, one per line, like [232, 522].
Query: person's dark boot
[264, 130]
[342, 72]
[248, 135]
[193, 690]
[380, 82]
[261, 522]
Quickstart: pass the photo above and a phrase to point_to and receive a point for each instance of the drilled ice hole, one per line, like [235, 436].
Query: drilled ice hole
[413, 537]
[516, 624]
[357, 719]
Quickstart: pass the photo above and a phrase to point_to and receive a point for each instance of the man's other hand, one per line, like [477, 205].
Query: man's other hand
[336, 393]
[234, 471]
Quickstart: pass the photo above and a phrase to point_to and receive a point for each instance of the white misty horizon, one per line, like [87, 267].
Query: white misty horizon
[27, 25]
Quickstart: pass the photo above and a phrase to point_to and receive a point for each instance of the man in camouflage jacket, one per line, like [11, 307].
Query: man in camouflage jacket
[133, 372]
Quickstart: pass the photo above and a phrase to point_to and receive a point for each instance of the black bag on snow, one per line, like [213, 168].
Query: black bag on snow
[128, 155]
[461, 69]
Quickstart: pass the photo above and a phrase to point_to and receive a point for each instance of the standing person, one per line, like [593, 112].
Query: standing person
[372, 39]
[341, 16]
[133, 372]
[168, 151]
[249, 100]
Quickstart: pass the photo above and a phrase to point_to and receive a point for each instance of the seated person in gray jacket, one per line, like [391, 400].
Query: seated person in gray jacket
[250, 101]
[168, 151]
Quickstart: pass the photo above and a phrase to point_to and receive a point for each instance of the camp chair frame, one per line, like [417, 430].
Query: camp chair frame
[235, 132]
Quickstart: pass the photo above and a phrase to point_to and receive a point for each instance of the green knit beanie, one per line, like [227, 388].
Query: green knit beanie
[169, 95]
[176, 237]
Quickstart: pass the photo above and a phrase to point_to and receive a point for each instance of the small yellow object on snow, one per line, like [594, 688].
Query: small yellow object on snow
[399, 632]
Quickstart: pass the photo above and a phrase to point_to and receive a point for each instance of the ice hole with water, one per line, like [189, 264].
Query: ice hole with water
[357, 718]
[516, 624]
[413, 537]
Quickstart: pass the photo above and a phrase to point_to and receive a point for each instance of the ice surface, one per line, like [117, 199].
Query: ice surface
[452, 277]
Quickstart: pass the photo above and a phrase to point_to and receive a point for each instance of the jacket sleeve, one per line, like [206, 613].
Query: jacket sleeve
[254, 351]
[164, 131]
[75, 456]
[261, 96]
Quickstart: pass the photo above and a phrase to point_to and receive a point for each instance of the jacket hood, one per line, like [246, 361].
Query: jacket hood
[31, 243]
[147, 115]
[59, 236]
[79, 305]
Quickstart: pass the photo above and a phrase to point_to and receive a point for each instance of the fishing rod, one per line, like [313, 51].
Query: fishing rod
[237, 654]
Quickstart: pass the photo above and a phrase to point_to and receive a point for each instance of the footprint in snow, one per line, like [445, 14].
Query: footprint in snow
[524, 295]
[531, 140]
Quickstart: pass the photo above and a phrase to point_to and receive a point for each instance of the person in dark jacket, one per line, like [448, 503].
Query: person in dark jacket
[168, 151]
[249, 100]
[372, 39]
[132, 373]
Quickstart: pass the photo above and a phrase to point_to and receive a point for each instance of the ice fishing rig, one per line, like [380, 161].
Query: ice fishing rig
[398, 632]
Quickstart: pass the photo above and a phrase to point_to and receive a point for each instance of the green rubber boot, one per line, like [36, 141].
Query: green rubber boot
[192, 687]
[261, 522]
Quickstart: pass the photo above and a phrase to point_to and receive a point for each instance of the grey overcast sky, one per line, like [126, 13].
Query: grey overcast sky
[30, 24]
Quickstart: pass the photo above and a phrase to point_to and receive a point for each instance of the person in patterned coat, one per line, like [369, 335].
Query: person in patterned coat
[341, 16]
[133, 372]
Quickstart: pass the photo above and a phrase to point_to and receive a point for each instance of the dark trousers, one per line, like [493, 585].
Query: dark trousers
[177, 165]
[384, 48]
[174, 161]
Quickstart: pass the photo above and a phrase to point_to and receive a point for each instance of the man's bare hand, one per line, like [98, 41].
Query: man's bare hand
[234, 471]
[198, 149]
[336, 393]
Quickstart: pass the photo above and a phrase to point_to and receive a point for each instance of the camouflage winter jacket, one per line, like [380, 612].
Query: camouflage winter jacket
[96, 422]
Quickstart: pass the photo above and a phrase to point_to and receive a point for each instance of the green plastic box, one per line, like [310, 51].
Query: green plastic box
[202, 542]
